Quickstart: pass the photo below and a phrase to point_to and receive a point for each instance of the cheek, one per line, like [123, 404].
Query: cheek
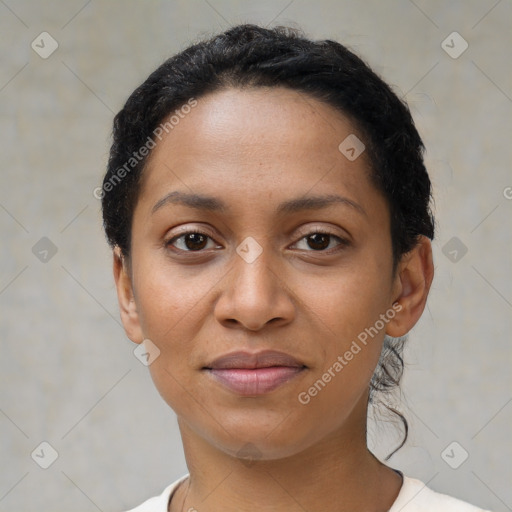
[165, 299]
[171, 307]
[349, 308]
[350, 302]
[351, 350]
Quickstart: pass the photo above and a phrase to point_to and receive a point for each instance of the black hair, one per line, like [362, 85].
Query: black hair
[252, 56]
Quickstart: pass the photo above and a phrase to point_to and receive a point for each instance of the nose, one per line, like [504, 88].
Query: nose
[254, 294]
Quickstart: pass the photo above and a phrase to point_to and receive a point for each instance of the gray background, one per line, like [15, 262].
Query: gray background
[68, 373]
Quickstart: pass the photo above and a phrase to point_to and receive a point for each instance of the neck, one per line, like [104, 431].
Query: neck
[337, 474]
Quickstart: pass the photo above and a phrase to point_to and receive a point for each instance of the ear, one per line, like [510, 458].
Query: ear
[414, 277]
[125, 296]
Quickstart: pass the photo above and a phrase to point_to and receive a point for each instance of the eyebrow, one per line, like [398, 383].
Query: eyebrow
[317, 203]
[213, 204]
[197, 201]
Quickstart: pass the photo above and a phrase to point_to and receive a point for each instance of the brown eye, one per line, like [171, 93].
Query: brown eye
[318, 241]
[192, 241]
[195, 241]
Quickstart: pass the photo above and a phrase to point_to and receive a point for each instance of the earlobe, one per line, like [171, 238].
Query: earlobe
[125, 296]
[415, 275]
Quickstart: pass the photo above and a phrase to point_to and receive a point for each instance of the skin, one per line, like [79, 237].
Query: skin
[255, 149]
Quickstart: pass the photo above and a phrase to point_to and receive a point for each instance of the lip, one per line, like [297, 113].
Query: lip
[248, 360]
[252, 374]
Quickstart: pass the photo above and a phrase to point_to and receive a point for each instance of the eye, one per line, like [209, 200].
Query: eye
[191, 241]
[321, 240]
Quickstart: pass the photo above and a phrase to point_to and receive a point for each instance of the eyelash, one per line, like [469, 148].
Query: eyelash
[342, 241]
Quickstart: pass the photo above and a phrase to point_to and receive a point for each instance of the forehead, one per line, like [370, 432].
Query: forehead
[258, 116]
[266, 138]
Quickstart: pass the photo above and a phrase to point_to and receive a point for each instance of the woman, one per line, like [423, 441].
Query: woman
[269, 213]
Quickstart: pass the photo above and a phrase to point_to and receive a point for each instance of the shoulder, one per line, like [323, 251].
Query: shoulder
[415, 496]
[159, 503]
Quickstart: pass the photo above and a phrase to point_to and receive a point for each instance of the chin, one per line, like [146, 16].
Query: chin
[251, 450]
[252, 441]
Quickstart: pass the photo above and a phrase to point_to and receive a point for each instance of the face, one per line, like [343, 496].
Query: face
[253, 233]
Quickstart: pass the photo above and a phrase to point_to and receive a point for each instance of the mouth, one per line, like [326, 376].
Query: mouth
[254, 374]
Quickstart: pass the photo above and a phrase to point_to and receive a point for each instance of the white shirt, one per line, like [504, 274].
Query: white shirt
[414, 496]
